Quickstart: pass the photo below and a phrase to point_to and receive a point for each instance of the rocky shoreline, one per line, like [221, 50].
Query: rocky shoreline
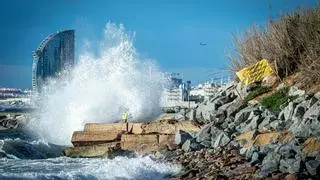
[241, 140]
[12, 120]
[237, 139]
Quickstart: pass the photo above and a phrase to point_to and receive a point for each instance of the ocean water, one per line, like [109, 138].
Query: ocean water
[98, 89]
[23, 156]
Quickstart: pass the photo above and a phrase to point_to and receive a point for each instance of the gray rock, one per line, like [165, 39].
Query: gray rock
[313, 167]
[204, 112]
[253, 125]
[270, 164]
[241, 127]
[306, 128]
[288, 111]
[249, 151]
[264, 124]
[256, 158]
[290, 149]
[186, 146]
[243, 115]
[295, 91]
[181, 137]
[290, 165]
[222, 101]
[218, 138]
[313, 112]
[233, 107]
[268, 148]
[298, 113]
[204, 135]
[312, 101]
[220, 116]
[317, 95]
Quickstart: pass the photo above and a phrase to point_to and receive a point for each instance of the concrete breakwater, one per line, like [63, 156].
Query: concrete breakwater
[109, 139]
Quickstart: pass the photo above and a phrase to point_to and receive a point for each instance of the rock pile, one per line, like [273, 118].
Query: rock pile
[10, 121]
[284, 144]
[100, 139]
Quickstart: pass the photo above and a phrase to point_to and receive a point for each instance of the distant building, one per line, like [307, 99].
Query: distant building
[55, 53]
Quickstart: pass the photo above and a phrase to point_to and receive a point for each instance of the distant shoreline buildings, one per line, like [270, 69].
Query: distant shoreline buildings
[54, 54]
[180, 94]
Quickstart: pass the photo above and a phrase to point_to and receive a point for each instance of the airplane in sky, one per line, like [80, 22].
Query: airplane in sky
[203, 44]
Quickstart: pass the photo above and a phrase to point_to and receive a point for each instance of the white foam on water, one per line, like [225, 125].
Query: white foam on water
[100, 88]
[75, 168]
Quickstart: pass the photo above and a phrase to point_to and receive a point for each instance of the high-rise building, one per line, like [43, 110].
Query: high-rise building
[55, 53]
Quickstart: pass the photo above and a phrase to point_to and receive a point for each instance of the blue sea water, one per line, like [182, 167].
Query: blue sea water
[25, 157]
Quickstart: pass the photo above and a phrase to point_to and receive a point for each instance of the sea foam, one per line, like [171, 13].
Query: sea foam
[100, 88]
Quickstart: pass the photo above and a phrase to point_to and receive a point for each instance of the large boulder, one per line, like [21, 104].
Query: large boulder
[204, 135]
[205, 111]
[169, 127]
[84, 138]
[211, 136]
[101, 150]
[146, 143]
[134, 128]
[233, 107]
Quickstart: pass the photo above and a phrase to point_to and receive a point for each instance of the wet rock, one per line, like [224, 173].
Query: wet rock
[290, 165]
[313, 167]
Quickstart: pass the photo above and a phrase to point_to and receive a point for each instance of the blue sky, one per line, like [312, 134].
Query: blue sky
[166, 30]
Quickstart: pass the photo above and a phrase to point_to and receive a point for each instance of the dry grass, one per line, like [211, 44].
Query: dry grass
[291, 44]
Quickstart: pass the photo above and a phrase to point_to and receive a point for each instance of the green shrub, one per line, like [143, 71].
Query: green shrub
[256, 92]
[274, 101]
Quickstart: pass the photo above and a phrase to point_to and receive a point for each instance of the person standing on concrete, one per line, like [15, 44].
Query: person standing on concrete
[124, 118]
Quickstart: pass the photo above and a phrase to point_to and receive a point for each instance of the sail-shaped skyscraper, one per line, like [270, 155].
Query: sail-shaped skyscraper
[55, 53]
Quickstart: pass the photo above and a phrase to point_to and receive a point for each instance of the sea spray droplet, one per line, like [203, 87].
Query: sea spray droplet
[100, 88]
